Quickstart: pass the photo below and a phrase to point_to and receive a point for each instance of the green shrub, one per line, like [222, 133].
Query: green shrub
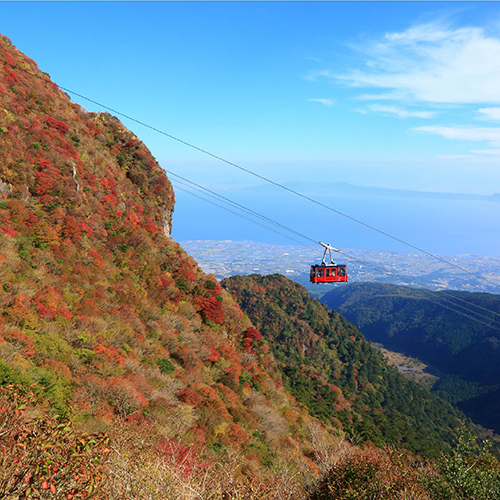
[468, 472]
[165, 365]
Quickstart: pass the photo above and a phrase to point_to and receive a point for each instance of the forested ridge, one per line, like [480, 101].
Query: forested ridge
[465, 351]
[329, 366]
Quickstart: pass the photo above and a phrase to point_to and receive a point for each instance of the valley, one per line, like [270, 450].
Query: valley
[463, 348]
[411, 368]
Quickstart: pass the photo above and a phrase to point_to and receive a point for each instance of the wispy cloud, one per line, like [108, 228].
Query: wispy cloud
[491, 152]
[325, 102]
[427, 70]
[386, 96]
[488, 134]
[431, 63]
[489, 114]
[400, 112]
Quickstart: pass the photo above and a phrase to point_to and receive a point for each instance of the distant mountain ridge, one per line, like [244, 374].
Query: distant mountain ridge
[422, 218]
[419, 323]
[332, 188]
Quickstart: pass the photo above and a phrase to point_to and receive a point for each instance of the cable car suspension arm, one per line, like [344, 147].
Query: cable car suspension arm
[328, 249]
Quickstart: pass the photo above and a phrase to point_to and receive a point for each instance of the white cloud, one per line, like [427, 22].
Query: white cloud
[431, 63]
[492, 152]
[489, 114]
[325, 102]
[402, 113]
[386, 96]
[489, 134]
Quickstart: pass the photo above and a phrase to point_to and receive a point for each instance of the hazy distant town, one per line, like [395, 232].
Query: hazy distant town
[229, 258]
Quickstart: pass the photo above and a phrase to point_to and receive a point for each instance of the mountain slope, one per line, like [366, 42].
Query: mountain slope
[125, 371]
[329, 366]
[420, 323]
[102, 310]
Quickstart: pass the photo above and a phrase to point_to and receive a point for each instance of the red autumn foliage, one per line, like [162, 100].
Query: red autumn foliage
[165, 282]
[58, 125]
[4, 216]
[251, 336]
[133, 219]
[96, 258]
[190, 397]
[232, 399]
[232, 373]
[18, 310]
[214, 355]
[32, 219]
[22, 340]
[89, 308]
[71, 228]
[150, 226]
[212, 401]
[110, 353]
[237, 434]
[39, 452]
[8, 231]
[108, 183]
[9, 76]
[187, 275]
[187, 358]
[182, 457]
[109, 200]
[210, 309]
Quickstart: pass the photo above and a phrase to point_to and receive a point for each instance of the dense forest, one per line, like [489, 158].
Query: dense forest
[126, 372]
[465, 348]
[329, 366]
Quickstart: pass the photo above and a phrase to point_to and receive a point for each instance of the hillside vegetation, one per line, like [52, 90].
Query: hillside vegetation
[418, 322]
[328, 365]
[128, 373]
[105, 313]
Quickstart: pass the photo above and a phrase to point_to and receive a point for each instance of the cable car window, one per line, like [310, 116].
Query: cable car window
[321, 272]
[341, 271]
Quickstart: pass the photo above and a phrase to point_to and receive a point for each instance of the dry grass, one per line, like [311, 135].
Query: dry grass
[411, 368]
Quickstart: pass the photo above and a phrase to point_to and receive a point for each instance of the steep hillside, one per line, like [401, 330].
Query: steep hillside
[128, 373]
[419, 323]
[329, 366]
[105, 313]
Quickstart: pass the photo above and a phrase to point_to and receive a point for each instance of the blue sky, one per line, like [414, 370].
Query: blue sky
[389, 94]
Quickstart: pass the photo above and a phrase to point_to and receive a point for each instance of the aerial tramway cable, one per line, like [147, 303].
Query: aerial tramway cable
[290, 190]
[268, 221]
[445, 299]
[177, 185]
[266, 179]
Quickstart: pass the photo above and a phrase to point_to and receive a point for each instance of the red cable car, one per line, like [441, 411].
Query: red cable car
[328, 273]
